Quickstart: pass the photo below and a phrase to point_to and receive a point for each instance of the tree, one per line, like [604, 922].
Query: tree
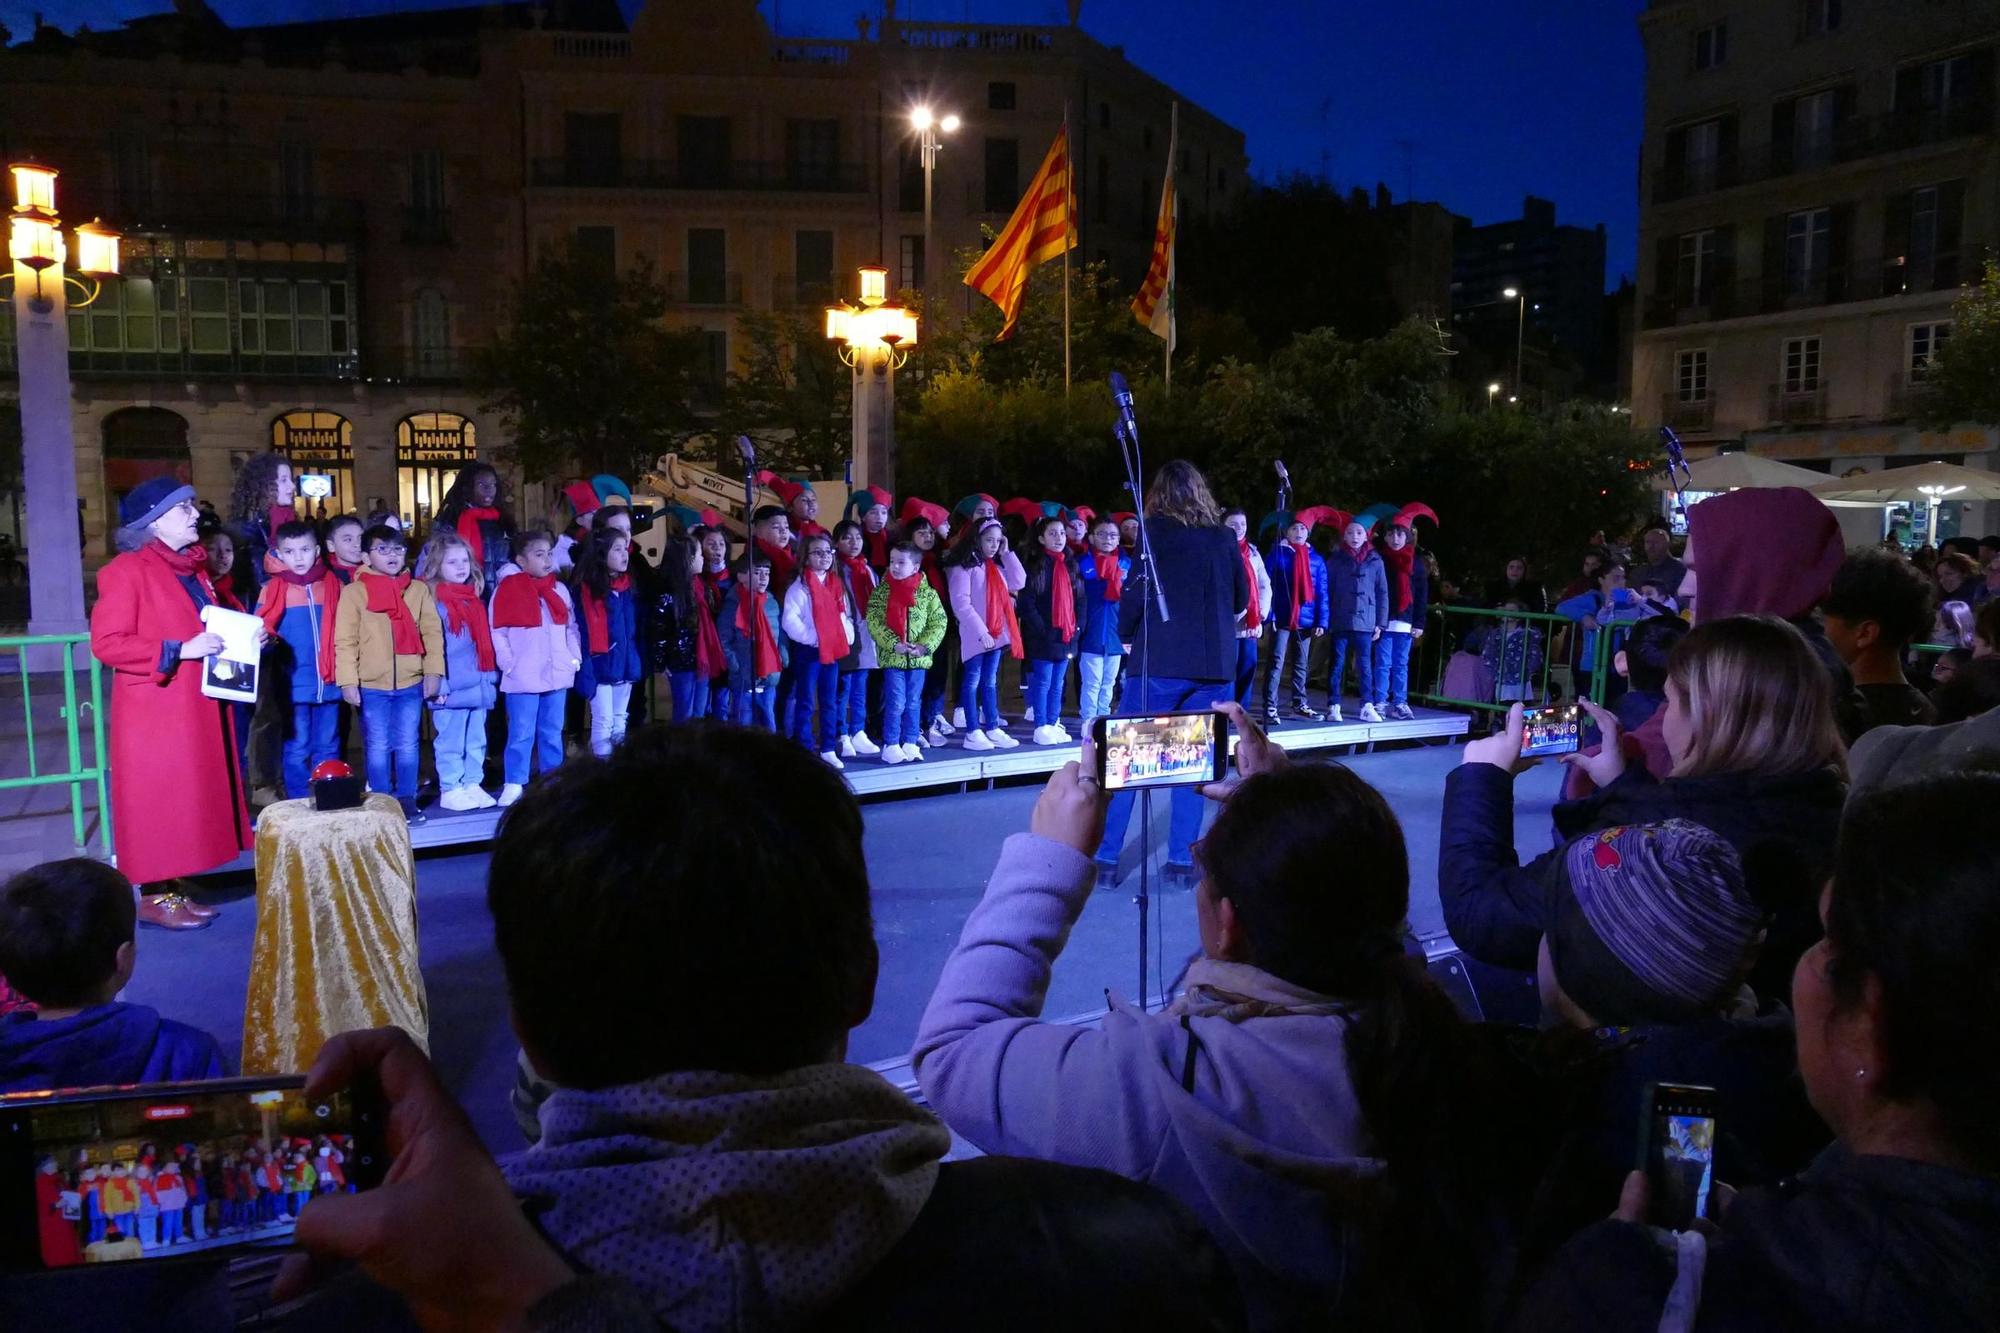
[1963, 380]
[585, 376]
[794, 397]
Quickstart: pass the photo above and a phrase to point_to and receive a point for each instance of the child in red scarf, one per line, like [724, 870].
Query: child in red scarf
[298, 606]
[471, 672]
[748, 624]
[1050, 609]
[906, 619]
[985, 575]
[608, 613]
[1408, 593]
[712, 583]
[1249, 625]
[1359, 588]
[343, 547]
[819, 631]
[1299, 612]
[1104, 568]
[535, 645]
[858, 668]
[388, 651]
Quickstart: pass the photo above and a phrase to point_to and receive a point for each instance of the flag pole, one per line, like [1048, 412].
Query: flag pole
[1173, 243]
[1069, 190]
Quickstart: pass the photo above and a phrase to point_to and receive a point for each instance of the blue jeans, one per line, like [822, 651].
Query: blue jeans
[1361, 641]
[1097, 676]
[534, 728]
[391, 717]
[756, 701]
[690, 695]
[460, 747]
[1392, 668]
[979, 691]
[1163, 694]
[814, 684]
[1045, 690]
[311, 740]
[1246, 669]
[853, 710]
[902, 705]
[1300, 642]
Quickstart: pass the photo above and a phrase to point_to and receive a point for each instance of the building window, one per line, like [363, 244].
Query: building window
[1812, 129]
[812, 154]
[1711, 46]
[1703, 155]
[427, 183]
[909, 179]
[1003, 175]
[1806, 250]
[1925, 342]
[430, 334]
[708, 266]
[1691, 375]
[910, 263]
[1694, 274]
[999, 97]
[1801, 365]
[591, 147]
[1818, 17]
[134, 315]
[291, 323]
[704, 144]
[431, 447]
[295, 179]
[596, 249]
[812, 261]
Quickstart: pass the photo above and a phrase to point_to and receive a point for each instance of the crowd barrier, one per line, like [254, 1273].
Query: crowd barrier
[78, 769]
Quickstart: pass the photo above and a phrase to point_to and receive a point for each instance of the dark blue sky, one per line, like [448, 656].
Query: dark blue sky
[1474, 103]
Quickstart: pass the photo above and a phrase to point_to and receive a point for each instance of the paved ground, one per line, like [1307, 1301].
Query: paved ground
[928, 859]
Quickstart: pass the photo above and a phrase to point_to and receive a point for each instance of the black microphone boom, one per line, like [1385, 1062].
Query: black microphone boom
[1121, 399]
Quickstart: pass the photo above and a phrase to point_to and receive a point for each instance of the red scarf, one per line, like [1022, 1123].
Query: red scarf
[272, 608]
[468, 527]
[875, 546]
[190, 561]
[518, 601]
[933, 572]
[462, 609]
[341, 569]
[860, 577]
[1399, 563]
[226, 596]
[1253, 616]
[803, 528]
[716, 579]
[1062, 602]
[597, 615]
[784, 565]
[385, 597]
[902, 597]
[1000, 608]
[824, 593]
[1302, 580]
[1111, 573]
[750, 619]
[708, 658]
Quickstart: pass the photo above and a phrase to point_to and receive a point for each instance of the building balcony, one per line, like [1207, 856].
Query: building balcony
[1908, 395]
[274, 216]
[1862, 280]
[1687, 413]
[233, 364]
[791, 292]
[1007, 38]
[1795, 406]
[1851, 141]
[656, 174]
[705, 289]
[427, 226]
[417, 365]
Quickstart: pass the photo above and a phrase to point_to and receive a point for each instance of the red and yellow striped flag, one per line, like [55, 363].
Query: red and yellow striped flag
[1154, 305]
[1043, 228]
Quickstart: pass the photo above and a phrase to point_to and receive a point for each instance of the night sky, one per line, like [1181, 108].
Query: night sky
[1471, 104]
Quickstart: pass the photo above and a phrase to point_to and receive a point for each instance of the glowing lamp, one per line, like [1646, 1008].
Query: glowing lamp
[949, 124]
[920, 119]
[33, 242]
[874, 285]
[1510, 293]
[97, 250]
[837, 317]
[34, 187]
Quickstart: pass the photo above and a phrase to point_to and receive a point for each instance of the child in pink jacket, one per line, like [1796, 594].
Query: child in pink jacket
[536, 647]
[985, 575]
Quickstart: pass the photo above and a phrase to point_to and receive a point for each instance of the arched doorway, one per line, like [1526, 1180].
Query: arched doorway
[141, 443]
[318, 443]
[430, 449]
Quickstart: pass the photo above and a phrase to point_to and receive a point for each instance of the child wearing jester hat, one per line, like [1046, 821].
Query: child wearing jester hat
[1299, 607]
[1408, 598]
[1359, 586]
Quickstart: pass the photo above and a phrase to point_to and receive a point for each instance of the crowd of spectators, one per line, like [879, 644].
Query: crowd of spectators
[1745, 893]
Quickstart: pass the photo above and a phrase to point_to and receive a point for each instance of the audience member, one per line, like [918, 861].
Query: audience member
[1660, 568]
[1642, 661]
[1986, 631]
[1593, 568]
[1973, 689]
[1896, 1224]
[1947, 665]
[1957, 577]
[1307, 1095]
[1749, 729]
[1516, 586]
[67, 943]
[1877, 607]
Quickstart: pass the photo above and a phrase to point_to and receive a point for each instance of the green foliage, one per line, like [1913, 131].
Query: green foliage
[1104, 336]
[1964, 379]
[794, 397]
[584, 375]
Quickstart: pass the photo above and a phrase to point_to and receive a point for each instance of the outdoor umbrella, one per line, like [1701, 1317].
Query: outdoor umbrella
[1923, 483]
[1741, 471]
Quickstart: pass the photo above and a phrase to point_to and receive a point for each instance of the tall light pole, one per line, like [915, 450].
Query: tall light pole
[1491, 390]
[1520, 328]
[875, 338]
[48, 445]
[928, 127]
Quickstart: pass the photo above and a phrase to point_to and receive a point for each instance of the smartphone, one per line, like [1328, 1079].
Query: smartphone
[315, 485]
[1677, 1152]
[82, 1173]
[1554, 730]
[1167, 750]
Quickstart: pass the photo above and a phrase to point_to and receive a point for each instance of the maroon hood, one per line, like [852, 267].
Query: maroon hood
[1763, 551]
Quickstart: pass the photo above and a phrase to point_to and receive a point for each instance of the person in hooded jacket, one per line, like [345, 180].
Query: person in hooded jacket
[1757, 758]
[1896, 1224]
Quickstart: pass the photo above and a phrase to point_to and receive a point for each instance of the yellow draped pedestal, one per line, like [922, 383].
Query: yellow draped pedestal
[336, 932]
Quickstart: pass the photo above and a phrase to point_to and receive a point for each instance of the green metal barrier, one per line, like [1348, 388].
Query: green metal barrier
[74, 772]
[1451, 625]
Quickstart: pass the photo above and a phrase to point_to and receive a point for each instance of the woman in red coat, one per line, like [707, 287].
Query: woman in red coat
[176, 795]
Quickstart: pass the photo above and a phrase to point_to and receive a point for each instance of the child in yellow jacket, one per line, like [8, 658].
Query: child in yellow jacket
[388, 658]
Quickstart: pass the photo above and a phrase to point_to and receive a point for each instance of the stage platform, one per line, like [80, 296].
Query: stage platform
[950, 767]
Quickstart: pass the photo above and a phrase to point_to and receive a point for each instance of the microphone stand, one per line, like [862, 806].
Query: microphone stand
[745, 709]
[1128, 446]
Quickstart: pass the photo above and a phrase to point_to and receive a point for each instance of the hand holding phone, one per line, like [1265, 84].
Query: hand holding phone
[1071, 807]
[1677, 1135]
[1188, 749]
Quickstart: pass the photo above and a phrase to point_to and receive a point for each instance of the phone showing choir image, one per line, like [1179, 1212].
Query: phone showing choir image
[1557, 729]
[1677, 1152]
[174, 1170]
[1166, 750]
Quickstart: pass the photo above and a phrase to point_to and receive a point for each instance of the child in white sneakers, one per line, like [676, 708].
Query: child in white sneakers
[985, 575]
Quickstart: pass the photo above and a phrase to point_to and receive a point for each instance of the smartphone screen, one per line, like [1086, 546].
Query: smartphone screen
[136, 1175]
[1679, 1153]
[1171, 750]
[1553, 730]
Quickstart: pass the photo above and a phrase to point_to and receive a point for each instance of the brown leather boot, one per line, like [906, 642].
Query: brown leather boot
[169, 911]
[184, 890]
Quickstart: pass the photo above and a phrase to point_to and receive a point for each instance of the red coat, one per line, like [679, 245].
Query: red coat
[176, 797]
[60, 1246]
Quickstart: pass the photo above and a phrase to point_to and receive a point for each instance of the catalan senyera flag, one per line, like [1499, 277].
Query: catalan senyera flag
[1043, 228]
[1154, 305]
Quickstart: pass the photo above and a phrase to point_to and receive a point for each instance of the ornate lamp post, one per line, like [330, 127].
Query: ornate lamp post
[875, 338]
[42, 297]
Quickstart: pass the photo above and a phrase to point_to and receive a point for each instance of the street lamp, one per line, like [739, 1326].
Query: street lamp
[874, 338]
[41, 295]
[1520, 328]
[928, 127]
[1491, 390]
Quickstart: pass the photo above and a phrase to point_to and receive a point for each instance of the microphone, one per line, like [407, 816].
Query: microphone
[1283, 475]
[1121, 399]
[746, 450]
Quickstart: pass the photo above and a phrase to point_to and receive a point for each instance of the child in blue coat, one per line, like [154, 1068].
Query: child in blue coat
[608, 618]
[297, 605]
[1105, 570]
[1299, 611]
[1359, 587]
[750, 627]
